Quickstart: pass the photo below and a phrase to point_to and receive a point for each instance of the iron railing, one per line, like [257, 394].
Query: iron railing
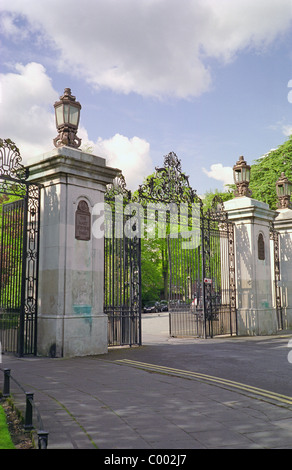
[19, 248]
[31, 410]
[202, 282]
[122, 271]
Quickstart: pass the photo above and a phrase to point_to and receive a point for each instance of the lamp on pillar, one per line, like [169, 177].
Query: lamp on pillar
[67, 113]
[283, 189]
[241, 175]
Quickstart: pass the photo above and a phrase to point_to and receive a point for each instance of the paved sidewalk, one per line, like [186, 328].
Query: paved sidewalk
[105, 402]
[88, 403]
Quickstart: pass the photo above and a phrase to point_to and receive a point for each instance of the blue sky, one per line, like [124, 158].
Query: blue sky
[207, 79]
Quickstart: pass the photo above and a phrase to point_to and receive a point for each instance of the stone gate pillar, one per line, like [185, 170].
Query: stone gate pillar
[283, 225]
[71, 321]
[256, 314]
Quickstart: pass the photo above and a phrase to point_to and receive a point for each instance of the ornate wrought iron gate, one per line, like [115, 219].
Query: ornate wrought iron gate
[18, 254]
[122, 267]
[202, 280]
[199, 266]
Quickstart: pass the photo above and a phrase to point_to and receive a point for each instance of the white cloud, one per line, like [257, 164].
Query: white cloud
[27, 118]
[220, 173]
[27, 115]
[287, 130]
[131, 155]
[149, 47]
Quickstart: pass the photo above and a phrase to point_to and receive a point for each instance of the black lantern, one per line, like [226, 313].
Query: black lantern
[67, 113]
[283, 189]
[241, 175]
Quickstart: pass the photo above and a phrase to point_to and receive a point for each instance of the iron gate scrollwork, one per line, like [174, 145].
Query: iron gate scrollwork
[201, 264]
[18, 254]
[197, 257]
[122, 268]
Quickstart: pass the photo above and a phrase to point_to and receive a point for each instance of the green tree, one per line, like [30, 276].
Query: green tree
[168, 185]
[209, 196]
[266, 170]
[151, 269]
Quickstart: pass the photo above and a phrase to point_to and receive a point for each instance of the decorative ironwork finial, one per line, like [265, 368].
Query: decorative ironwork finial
[10, 161]
[118, 188]
[168, 184]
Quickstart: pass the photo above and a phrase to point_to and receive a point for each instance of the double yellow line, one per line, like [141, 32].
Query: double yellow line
[259, 392]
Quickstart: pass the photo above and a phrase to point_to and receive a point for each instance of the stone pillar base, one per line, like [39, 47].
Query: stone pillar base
[80, 334]
[256, 322]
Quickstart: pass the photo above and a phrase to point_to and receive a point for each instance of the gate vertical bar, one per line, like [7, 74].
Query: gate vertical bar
[37, 269]
[274, 235]
[203, 277]
[232, 282]
[23, 279]
[140, 296]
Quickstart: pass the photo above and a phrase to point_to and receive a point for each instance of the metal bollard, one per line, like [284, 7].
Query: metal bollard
[43, 439]
[28, 411]
[6, 387]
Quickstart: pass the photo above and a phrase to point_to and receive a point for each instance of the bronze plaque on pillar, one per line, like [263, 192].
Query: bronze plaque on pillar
[82, 222]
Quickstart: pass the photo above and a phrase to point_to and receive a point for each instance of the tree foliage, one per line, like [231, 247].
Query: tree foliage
[209, 196]
[10, 252]
[267, 170]
[152, 269]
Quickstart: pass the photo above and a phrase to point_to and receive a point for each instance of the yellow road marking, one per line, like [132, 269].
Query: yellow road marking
[197, 375]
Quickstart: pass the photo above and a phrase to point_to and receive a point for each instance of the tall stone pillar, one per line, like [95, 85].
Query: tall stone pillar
[71, 321]
[256, 314]
[283, 225]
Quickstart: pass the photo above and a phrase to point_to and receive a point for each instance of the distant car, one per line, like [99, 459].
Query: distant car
[163, 306]
[151, 307]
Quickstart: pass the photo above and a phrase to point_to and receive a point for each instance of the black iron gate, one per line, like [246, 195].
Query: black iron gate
[198, 257]
[18, 254]
[202, 280]
[122, 268]
[219, 291]
[200, 246]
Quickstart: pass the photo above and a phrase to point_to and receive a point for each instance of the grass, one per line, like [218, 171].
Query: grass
[5, 438]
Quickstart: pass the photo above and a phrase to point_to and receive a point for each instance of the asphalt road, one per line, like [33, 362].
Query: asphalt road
[259, 361]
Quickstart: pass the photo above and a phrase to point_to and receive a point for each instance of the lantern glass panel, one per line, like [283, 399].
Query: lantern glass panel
[280, 190]
[247, 174]
[66, 113]
[74, 114]
[59, 115]
[238, 176]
